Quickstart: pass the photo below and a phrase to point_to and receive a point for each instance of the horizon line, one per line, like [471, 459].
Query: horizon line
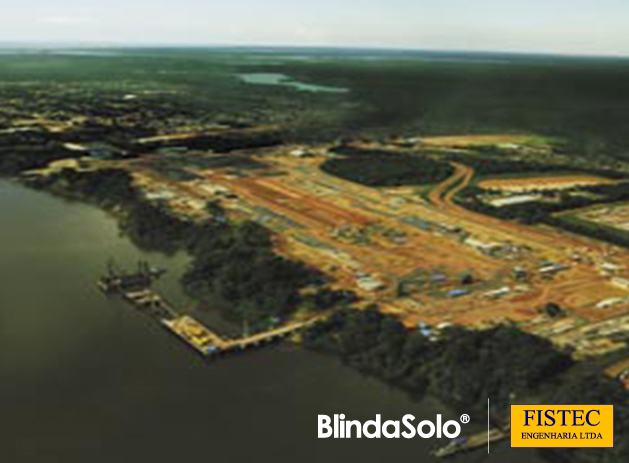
[90, 44]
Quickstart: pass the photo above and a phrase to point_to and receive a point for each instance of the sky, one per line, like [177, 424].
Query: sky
[582, 27]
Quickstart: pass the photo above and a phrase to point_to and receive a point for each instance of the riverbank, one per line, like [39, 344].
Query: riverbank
[463, 368]
[87, 379]
[232, 264]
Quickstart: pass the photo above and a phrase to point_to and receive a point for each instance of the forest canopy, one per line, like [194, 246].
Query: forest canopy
[379, 168]
[464, 367]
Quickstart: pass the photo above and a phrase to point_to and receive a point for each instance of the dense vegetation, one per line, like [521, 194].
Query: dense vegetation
[584, 100]
[383, 168]
[221, 142]
[237, 265]
[18, 158]
[171, 86]
[542, 211]
[151, 226]
[107, 187]
[464, 367]
[488, 166]
[594, 230]
[233, 265]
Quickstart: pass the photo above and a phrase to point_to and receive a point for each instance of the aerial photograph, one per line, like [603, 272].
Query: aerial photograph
[297, 231]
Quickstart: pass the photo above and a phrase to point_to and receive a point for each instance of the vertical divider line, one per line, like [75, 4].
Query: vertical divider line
[487, 424]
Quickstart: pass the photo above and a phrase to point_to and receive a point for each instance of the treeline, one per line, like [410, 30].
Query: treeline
[465, 367]
[120, 135]
[591, 229]
[580, 99]
[487, 164]
[149, 224]
[233, 265]
[543, 212]
[18, 158]
[379, 168]
[222, 142]
[36, 148]
[106, 187]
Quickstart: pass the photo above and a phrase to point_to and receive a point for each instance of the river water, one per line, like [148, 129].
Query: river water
[86, 379]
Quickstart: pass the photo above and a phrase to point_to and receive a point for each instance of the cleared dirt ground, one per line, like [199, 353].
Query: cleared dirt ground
[316, 204]
[542, 183]
[464, 141]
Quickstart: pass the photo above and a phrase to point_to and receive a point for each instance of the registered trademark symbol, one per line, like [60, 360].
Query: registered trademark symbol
[465, 418]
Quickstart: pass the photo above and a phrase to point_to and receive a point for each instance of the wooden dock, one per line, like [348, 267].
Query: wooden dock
[208, 343]
[194, 333]
[150, 302]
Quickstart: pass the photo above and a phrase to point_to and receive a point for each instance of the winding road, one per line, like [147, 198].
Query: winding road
[442, 198]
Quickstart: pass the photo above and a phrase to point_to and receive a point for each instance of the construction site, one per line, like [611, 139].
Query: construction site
[402, 249]
[410, 249]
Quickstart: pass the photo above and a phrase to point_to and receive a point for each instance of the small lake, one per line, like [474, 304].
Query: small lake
[270, 78]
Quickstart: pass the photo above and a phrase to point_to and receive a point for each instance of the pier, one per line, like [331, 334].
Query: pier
[134, 288]
[116, 281]
[208, 343]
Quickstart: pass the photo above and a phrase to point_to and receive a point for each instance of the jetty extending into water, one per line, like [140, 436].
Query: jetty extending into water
[135, 288]
[208, 343]
[116, 281]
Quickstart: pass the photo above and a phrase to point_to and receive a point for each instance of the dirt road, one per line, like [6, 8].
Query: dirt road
[442, 198]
